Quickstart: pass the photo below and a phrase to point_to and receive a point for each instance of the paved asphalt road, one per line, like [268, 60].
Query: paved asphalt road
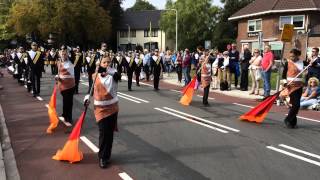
[160, 139]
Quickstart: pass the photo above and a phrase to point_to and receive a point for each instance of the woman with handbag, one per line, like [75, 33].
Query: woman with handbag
[255, 71]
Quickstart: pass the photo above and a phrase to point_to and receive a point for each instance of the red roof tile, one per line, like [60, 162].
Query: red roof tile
[259, 7]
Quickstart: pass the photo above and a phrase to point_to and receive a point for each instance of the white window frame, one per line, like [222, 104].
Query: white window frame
[255, 20]
[291, 16]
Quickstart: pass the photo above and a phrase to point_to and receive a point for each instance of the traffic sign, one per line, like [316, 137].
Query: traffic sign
[287, 33]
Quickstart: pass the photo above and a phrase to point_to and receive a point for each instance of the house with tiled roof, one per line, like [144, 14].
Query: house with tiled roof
[264, 19]
[134, 30]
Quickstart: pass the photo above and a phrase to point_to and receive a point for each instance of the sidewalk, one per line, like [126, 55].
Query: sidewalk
[173, 79]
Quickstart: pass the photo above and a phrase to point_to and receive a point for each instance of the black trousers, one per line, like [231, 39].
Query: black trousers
[90, 81]
[156, 80]
[129, 74]
[77, 79]
[54, 69]
[67, 99]
[147, 71]
[35, 82]
[205, 95]
[291, 119]
[244, 79]
[179, 72]
[137, 73]
[106, 129]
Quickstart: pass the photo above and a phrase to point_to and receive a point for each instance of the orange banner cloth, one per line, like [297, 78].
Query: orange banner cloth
[53, 117]
[70, 151]
[188, 92]
[258, 113]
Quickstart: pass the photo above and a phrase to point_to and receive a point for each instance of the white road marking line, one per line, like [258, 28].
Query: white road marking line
[308, 119]
[243, 105]
[124, 97]
[146, 84]
[125, 176]
[39, 98]
[190, 120]
[86, 84]
[294, 155]
[208, 97]
[173, 90]
[65, 122]
[93, 147]
[123, 94]
[300, 151]
[203, 120]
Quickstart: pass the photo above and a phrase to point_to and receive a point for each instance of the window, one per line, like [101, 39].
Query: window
[254, 25]
[154, 33]
[133, 33]
[123, 34]
[297, 21]
[146, 33]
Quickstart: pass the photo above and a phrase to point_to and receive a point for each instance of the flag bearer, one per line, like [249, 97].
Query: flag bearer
[66, 83]
[105, 107]
[294, 89]
[205, 76]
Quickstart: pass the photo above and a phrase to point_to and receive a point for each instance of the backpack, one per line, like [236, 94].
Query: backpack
[224, 85]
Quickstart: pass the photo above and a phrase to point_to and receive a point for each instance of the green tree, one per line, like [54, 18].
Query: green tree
[76, 22]
[4, 15]
[196, 21]
[141, 5]
[114, 7]
[225, 31]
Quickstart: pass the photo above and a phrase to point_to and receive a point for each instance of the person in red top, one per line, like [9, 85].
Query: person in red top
[266, 64]
[186, 66]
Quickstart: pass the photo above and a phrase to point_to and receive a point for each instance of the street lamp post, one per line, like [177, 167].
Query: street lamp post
[129, 34]
[176, 11]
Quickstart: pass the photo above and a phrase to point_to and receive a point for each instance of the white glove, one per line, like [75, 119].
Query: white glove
[86, 101]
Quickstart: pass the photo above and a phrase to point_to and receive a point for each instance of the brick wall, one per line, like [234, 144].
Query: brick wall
[270, 28]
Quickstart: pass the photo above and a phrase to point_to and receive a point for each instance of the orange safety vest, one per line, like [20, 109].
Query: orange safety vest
[205, 75]
[67, 80]
[104, 104]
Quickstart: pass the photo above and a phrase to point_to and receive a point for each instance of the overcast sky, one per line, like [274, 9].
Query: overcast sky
[158, 3]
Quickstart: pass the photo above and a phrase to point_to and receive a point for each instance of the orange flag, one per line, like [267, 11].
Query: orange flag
[258, 113]
[70, 151]
[52, 111]
[188, 92]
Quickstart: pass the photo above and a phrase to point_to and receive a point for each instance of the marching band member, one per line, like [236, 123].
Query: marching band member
[105, 107]
[77, 62]
[91, 66]
[205, 76]
[66, 83]
[156, 63]
[294, 89]
[131, 66]
[53, 57]
[19, 61]
[36, 64]
[139, 63]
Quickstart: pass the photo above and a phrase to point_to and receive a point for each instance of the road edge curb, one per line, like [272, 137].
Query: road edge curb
[9, 161]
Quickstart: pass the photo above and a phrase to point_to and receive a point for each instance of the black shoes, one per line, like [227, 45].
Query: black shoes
[103, 163]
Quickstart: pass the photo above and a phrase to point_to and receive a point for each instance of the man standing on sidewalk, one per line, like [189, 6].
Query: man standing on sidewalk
[186, 66]
[245, 69]
[36, 63]
[266, 64]
[234, 63]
